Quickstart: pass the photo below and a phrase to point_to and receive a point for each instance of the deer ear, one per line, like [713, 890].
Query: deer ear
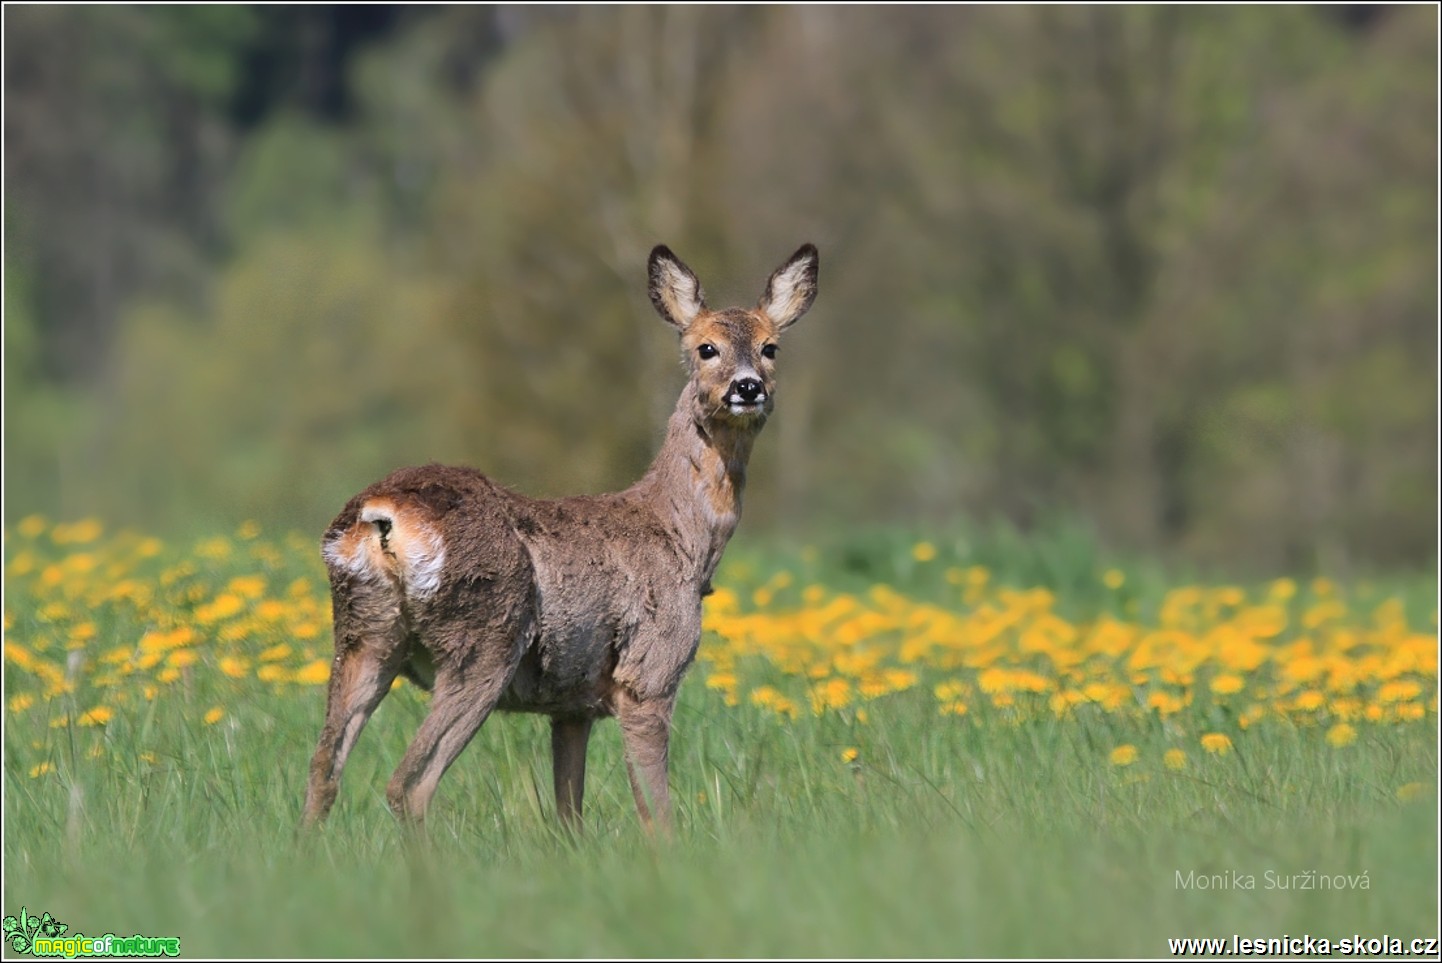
[675, 291]
[790, 291]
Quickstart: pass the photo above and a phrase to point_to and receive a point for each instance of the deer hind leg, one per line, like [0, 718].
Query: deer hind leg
[460, 705]
[468, 685]
[646, 735]
[361, 675]
[569, 735]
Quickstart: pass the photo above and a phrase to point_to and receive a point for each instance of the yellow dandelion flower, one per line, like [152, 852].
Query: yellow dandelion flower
[236, 631]
[19, 655]
[21, 702]
[1346, 709]
[899, 680]
[1165, 703]
[168, 675]
[55, 612]
[39, 770]
[1228, 683]
[181, 658]
[723, 601]
[81, 563]
[271, 610]
[149, 547]
[214, 548]
[1174, 759]
[923, 551]
[247, 586]
[248, 530]
[275, 653]
[1114, 578]
[77, 533]
[850, 754]
[234, 667]
[1412, 790]
[271, 673]
[98, 716]
[953, 708]
[1400, 691]
[1341, 735]
[1282, 588]
[223, 606]
[946, 691]
[32, 525]
[1217, 743]
[314, 673]
[156, 643]
[214, 716]
[1124, 755]
[831, 694]
[1411, 711]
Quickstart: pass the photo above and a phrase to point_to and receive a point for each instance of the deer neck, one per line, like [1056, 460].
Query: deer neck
[696, 481]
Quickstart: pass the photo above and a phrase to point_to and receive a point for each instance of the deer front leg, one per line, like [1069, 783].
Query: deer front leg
[569, 735]
[646, 734]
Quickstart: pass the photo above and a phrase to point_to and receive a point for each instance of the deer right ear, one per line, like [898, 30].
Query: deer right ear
[675, 291]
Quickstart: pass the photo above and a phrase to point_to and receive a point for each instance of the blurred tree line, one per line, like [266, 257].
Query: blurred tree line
[1172, 270]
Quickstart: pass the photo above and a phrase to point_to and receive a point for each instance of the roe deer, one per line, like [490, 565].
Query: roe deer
[577, 608]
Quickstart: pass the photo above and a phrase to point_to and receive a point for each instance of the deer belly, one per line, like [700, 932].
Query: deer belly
[563, 675]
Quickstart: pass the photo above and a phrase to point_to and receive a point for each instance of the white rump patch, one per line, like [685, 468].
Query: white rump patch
[348, 553]
[423, 557]
[372, 512]
[411, 549]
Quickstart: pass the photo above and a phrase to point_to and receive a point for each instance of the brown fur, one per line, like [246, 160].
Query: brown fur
[578, 608]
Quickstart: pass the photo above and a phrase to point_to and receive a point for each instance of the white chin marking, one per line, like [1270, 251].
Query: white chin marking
[744, 410]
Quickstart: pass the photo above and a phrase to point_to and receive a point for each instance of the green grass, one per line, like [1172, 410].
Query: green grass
[944, 837]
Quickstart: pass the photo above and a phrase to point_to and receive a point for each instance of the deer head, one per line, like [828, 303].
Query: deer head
[730, 353]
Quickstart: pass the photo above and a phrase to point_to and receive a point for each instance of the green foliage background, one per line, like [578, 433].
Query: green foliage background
[1172, 270]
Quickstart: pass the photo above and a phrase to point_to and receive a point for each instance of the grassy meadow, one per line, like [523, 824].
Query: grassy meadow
[965, 745]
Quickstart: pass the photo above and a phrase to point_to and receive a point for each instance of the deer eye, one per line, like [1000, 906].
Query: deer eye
[768, 351]
[707, 352]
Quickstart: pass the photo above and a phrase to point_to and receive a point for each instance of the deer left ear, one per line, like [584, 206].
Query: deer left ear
[791, 290]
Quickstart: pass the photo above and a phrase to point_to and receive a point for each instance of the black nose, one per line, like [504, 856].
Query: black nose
[748, 389]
